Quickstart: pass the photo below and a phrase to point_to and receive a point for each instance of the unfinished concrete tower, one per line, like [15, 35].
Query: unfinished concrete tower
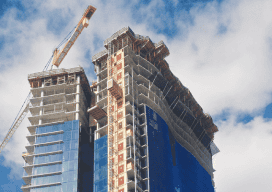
[151, 134]
[59, 153]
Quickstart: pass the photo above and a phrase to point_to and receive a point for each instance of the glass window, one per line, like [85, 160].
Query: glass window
[75, 125]
[67, 135]
[49, 129]
[67, 145]
[67, 126]
[41, 149]
[61, 146]
[48, 148]
[39, 130]
[70, 176]
[103, 152]
[74, 184]
[45, 180]
[47, 158]
[54, 157]
[73, 155]
[54, 148]
[64, 186]
[65, 166]
[76, 165]
[66, 156]
[61, 137]
[55, 127]
[48, 138]
[65, 177]
[75, 134]
[97, 175]
[71, 165]
[74, 144]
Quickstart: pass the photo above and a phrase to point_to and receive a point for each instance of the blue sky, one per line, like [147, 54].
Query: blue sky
[220, 50]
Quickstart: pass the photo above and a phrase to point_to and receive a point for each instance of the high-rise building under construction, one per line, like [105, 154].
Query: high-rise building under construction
[59, 153]
[137, 128]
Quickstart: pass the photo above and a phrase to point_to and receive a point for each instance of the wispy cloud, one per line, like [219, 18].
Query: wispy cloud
[224, 57]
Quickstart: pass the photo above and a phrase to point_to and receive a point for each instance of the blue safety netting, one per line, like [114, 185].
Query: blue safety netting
[172, 167]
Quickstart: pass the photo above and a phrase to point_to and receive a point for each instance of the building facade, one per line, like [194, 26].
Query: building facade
[137, 128]
[150, 133]
[59, 154]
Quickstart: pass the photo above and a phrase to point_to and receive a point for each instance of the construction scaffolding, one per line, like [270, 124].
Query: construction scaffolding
[59, 95]
[146, 80]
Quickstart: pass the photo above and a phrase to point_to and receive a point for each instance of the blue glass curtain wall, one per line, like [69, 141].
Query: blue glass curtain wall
[66, 153]
[101, 164]
[172, 167]
[70, 156]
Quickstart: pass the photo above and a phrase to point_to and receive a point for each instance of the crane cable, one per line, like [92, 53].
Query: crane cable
[66, 38]
[61, 43]
[44, 69]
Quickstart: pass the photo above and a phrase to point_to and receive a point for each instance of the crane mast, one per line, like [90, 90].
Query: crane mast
[57, 59]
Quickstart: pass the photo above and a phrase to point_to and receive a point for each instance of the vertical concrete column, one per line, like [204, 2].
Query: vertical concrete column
[98, 79]
[98, 89]
[97, 136]
[41, 104]
[97, 67]
[77, 97]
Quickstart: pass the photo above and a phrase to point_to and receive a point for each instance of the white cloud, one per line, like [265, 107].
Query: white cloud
[244, 163]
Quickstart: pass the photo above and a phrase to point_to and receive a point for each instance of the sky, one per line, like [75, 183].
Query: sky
[220, 50]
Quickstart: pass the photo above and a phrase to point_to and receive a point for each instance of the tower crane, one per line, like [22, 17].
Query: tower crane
[58, 57]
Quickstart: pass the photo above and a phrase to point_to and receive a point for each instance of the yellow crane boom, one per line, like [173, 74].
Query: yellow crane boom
[84, 22]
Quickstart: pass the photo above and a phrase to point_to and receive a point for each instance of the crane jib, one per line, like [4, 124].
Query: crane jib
[59, 56]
